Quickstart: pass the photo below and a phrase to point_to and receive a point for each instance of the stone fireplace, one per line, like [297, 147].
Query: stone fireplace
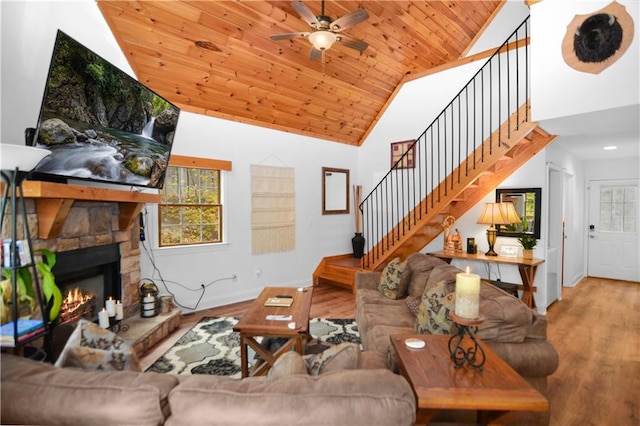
[92, 231]
[93, 226]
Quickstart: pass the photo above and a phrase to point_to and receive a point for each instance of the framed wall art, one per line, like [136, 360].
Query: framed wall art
[398, 150]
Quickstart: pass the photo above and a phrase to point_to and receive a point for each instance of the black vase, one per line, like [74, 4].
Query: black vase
[357, 242]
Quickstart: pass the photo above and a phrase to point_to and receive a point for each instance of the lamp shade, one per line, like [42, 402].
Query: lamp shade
[322, 40]
[21, 157]
[509, 213]
[492, 214]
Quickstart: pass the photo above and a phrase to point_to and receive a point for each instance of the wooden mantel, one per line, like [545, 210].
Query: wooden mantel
[54, 200]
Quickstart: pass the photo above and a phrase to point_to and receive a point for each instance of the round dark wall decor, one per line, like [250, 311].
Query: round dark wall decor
[598, 38]
[594, 42]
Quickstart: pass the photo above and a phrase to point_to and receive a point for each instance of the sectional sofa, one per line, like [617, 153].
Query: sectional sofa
[515, 332]
[39, 393]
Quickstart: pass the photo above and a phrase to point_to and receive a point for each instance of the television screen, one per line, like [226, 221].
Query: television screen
[101, 124]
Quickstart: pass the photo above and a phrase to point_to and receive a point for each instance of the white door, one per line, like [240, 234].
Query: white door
[614, 237]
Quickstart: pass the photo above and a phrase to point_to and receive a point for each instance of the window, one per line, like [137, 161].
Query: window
[190, 209]
[618, 208]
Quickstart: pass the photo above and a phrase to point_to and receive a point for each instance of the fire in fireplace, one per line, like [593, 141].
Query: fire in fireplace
[77, 304]
[87, 277]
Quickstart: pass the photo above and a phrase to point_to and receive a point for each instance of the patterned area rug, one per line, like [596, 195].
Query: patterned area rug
[212, 347]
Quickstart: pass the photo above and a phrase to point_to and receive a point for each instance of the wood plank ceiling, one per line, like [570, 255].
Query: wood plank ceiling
[216, 57]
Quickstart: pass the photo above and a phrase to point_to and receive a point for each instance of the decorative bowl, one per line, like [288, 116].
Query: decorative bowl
[24, 158]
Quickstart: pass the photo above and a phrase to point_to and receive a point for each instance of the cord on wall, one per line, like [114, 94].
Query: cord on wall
[202, 288]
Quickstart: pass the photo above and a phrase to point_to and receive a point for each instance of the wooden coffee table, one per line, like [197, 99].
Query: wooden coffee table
[439, 385]
[254, 323]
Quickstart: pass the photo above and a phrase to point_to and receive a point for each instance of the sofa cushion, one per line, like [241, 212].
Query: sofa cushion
[390, 279]
[372, 397]
[377, 338]
[420, 266]
[94, 348]
[397, 315]
[344, 356]
[288, 364]
[444, 272]
[433, 314]
[39, 393]
[506, 319]
[374, 297]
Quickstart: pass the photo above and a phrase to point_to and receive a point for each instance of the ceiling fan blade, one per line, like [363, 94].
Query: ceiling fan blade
[289, 36]
[306, 14]
[353, 43]
[315, 54]
[349, 20]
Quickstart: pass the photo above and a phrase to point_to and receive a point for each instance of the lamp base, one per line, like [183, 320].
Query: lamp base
[491, 240]
[491, 252]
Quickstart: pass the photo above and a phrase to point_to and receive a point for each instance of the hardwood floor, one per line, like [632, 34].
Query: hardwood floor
[595, 329]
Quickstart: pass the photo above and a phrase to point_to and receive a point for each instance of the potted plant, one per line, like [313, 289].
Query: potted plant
[528, 243]
[26, 292]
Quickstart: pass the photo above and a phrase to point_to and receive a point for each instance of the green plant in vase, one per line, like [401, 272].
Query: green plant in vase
[528, 243]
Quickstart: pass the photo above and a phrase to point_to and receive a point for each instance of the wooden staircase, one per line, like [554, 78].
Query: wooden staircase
[456, 194]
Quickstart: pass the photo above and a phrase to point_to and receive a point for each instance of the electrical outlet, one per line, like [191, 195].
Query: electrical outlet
[258, 273]
[234, 276]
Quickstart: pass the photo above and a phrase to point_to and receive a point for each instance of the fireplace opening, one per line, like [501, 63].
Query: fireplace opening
[87, 277]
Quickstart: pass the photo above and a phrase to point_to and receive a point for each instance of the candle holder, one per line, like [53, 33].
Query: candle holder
[473, 354]
[149, 301]
[117, 325]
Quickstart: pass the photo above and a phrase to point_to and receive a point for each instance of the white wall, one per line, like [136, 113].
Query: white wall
[317, 236]
[560, 90]
[28, 34]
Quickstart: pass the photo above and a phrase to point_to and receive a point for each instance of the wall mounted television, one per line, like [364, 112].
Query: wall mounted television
[100, 123]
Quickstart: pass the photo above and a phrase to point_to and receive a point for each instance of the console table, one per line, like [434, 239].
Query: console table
[526, 267]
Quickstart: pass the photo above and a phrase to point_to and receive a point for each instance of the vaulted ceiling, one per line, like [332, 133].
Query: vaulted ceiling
[216, 57]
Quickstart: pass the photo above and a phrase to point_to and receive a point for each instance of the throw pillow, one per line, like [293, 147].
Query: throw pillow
[95, 348]
[288, 364]
[344, 356]
[433, 314]
[413, 303]
[390, 279]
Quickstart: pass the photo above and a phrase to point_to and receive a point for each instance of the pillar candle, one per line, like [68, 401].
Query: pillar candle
[467, 295]
[119, 310]
[110, 304]
[148, 306]
[103, 318]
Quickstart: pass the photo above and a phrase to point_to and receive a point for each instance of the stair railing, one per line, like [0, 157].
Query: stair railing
[493, 94]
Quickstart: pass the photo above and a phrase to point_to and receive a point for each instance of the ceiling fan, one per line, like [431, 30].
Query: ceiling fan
[325, 31]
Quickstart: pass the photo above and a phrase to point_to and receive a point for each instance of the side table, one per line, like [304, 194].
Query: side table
[439, 385]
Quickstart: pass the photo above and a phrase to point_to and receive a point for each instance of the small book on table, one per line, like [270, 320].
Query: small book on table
[279, 301]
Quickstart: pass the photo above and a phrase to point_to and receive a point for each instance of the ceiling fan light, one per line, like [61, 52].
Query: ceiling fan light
[322, 40]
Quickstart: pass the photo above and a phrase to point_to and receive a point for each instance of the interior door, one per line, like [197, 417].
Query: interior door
[614, 243]
[555, 233]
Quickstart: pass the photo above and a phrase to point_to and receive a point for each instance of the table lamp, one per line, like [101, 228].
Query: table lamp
[497, 214]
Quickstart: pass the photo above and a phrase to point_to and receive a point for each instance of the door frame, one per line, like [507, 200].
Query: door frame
[551, 202]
